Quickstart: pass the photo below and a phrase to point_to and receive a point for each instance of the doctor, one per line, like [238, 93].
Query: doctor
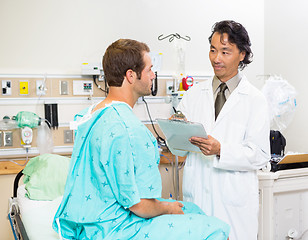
[222, 179]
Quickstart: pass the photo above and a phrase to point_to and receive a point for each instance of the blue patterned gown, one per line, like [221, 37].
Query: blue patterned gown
[115, 164]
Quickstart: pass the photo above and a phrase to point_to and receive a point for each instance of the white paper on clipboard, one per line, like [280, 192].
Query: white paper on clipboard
[178, 133]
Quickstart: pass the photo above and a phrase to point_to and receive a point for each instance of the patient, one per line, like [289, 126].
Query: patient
[113, 187]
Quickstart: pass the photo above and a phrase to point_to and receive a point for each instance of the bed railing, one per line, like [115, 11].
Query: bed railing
[17, 226]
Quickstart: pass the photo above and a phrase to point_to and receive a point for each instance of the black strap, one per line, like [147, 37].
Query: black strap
[17, 178]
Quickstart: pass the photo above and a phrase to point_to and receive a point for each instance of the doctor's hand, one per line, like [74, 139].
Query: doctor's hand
[209, 146]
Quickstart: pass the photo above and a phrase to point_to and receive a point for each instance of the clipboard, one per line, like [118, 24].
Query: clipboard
[179, 132]
[294, 158]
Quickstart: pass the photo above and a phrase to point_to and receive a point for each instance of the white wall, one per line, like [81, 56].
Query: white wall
[55, 37]
[286, 35]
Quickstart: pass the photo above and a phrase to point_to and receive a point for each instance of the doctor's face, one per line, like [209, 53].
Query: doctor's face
[224, 56]
[144, 84]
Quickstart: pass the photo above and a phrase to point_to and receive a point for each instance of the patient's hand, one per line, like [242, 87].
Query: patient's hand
[174, 207]
[148, 208]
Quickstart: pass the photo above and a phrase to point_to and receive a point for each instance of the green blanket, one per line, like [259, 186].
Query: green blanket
[45, 176]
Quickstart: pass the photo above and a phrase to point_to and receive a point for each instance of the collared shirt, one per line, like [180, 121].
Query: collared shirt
[231, 84]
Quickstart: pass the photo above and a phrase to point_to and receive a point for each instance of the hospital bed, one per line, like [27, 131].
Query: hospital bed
[31, 219]
[17, 225]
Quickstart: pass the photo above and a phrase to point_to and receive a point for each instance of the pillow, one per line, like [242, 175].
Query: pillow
[45, 176]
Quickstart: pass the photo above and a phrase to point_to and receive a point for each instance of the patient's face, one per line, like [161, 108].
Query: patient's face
[144, 84]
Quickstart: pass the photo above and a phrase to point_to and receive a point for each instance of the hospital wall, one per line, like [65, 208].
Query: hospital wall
[52, 39]
[285, 34]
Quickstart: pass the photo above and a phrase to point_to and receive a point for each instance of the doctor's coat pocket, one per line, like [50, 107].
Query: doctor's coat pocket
[235, 189]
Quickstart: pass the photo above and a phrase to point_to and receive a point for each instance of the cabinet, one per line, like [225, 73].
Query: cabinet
[283, 203]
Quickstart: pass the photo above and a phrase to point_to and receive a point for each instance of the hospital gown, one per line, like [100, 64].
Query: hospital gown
[115, 164]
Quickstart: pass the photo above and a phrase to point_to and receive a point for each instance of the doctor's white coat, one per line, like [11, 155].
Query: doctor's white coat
[227, 187]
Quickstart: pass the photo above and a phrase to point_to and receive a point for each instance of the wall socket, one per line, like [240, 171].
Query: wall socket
[68, 136]
[82, 87]
[8, 139]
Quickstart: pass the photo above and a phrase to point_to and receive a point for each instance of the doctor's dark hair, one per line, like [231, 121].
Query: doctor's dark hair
[238, 35]
[120, 56]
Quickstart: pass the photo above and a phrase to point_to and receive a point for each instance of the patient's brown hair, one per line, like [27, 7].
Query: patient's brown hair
[120, 56]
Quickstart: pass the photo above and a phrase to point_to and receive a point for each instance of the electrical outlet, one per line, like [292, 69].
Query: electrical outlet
[82, 87]
[8, 139]
[68, 136]
[63, 88]
[6, 87]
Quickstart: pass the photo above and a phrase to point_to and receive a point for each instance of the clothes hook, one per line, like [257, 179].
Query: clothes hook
[172, 36]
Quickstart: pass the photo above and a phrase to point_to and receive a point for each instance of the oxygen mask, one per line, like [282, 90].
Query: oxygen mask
[27, 119]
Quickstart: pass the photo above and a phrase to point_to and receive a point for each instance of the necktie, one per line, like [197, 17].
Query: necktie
[220, 99]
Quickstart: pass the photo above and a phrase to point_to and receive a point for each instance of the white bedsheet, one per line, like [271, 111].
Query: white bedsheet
[37, 216]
